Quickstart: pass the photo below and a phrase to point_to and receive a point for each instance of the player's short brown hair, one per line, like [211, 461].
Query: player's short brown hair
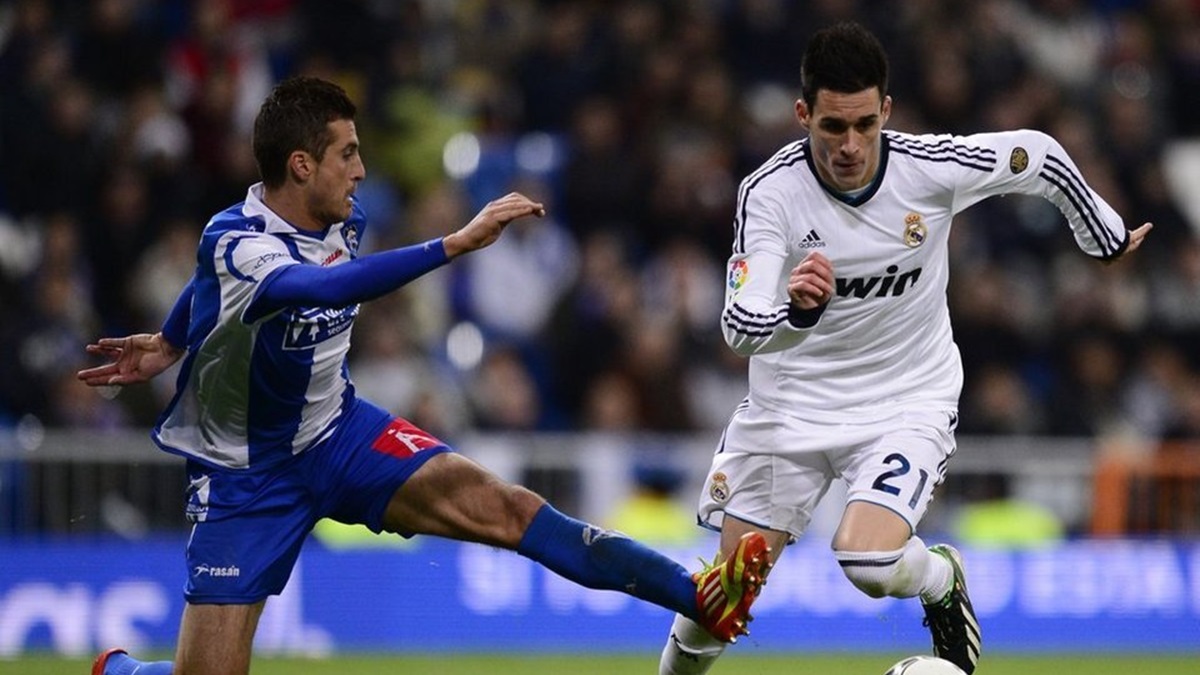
[296, 116]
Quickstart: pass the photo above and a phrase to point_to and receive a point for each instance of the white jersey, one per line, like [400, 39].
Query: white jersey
[254, 390]
[884, 342]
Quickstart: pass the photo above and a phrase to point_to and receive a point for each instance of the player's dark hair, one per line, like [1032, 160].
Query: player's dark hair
[296, 117]
[846, 58]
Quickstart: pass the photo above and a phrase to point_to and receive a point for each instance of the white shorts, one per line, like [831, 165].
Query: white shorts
[771, 469]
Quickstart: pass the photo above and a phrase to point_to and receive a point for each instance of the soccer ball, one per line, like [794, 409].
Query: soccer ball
[924, 665]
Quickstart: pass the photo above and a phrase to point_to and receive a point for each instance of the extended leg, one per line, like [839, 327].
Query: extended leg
[451, 496]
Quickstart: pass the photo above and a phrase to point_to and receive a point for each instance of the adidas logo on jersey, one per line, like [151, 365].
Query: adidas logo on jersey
[812, 240]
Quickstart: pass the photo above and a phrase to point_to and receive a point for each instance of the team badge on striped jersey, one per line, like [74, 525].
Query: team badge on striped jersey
[350, 236]
[1018, 161]
[739, 271]
[915, 231]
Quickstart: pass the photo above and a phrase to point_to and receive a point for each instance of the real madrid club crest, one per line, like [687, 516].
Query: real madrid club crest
[1018, 160]
[915, 231]
[719, 488]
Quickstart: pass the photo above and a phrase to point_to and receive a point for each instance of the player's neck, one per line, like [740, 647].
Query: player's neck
[288, 203]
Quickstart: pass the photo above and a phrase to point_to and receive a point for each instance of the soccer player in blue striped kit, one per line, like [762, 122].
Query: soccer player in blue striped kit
[837, 293]
[275, 439]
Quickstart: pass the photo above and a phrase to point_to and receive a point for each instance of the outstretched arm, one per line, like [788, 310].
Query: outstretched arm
[374, 275]
[1028, 162]
[135, 358]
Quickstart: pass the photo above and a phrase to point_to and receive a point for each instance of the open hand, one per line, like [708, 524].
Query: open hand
[135, 358]
[485, 228]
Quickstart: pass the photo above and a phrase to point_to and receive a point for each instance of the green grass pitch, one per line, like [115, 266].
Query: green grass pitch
[597, 664]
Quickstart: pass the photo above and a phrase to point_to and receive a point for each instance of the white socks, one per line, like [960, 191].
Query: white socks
[938, 577]
[690, 650]
[903, 573]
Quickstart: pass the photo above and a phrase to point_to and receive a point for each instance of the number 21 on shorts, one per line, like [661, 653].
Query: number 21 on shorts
[890, 481]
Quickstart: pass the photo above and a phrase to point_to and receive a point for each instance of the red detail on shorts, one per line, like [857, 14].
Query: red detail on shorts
[402, 439]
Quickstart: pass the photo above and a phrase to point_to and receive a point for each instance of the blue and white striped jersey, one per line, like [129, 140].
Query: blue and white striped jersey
[884, 342]
[255, 390]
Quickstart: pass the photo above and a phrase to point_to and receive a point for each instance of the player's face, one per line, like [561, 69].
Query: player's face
[844, 135]
[336, 176]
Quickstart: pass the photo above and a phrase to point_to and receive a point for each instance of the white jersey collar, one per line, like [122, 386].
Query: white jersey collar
[274, 223]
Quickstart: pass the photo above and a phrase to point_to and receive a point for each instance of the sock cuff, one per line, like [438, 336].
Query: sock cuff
[540, 530]
[869, 558]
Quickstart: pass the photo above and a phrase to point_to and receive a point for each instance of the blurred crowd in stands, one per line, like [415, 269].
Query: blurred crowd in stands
[125, 124]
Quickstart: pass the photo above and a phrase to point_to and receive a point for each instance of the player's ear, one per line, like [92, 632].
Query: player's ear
[802, 113]
[885, 110]
[300, 165]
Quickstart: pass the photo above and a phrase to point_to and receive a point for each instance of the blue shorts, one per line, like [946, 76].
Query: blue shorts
[248, 526]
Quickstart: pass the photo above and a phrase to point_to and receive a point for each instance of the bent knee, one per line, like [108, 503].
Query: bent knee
[876, 573]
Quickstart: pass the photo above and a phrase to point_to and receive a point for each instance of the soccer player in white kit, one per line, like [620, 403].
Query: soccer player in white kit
[837, 293]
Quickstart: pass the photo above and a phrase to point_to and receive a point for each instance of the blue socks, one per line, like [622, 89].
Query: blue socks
[607, 560]
[124, 664]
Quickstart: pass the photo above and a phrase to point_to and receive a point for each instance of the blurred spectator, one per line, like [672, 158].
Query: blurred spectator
[603, 179]
[611, 404]
[390, 369]
[430, 317]
[993, 314]
[561, 67]
[165, 268]
[1186, 425]
[1155, 393]
[116, 49]
[1086, 399]
[502, 393]
[1176, 287]
[654, 360]
[155, 136]
[683, 284]
[653, 512]
[714, 383]
[47, 129]
[1007, 524]
[1062, 39]
[116, 231]
[692, 191]
[587, 333]
[512, 292]
[762, 41]
[43, 342]
[1178, 29]
[220, 70]
[998, 401]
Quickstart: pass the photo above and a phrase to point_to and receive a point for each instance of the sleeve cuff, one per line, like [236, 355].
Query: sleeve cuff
[805, 318]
